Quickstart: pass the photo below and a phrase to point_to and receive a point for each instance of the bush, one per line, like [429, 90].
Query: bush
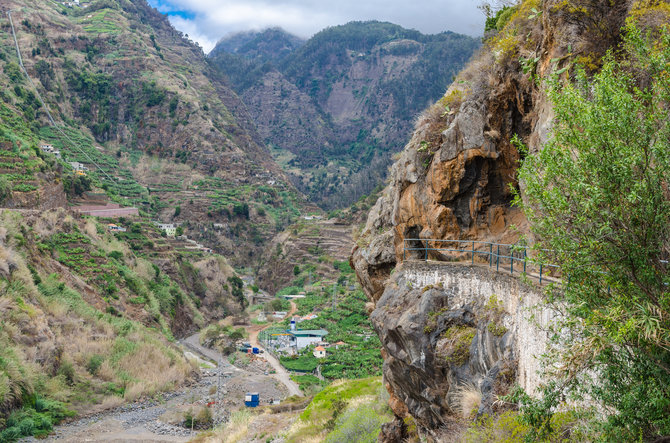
[597, 198]
[5, 188]
[94, 363]
[362, 425]
[66, 369]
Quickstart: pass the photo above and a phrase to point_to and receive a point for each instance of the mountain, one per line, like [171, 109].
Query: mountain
[270, 45]
[334, 109]
[144, 110]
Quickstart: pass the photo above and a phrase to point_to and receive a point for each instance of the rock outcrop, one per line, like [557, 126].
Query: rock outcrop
[456, 179]
[452, 332]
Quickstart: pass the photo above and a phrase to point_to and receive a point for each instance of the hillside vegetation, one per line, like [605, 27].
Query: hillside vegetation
[139, 105]
[88, 317]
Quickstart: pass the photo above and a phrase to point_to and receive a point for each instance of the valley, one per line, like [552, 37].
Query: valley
[371, 234]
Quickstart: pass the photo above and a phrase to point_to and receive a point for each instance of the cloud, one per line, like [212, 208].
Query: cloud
[207, 21]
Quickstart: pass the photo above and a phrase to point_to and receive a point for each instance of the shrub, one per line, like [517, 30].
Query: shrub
[66, 369]
[5, 188]
[597, 199]
[94, 363]
[362, 424]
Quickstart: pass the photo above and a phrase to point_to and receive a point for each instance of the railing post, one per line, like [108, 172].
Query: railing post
[404, 248]
[498, 259]
[540, 273]
[490, 254]
[425, 246]
[524, 260]
[473, 252]
[511, 261]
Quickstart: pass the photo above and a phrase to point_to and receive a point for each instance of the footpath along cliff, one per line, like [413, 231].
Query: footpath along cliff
[449, 330]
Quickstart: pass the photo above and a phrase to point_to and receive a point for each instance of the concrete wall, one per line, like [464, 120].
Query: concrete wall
[528, 316]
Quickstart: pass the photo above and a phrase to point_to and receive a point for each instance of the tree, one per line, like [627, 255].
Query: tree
[76, 185]
[598, 200]
[5, 189]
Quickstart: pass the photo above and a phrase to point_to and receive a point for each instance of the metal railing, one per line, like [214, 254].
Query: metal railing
[500, 255]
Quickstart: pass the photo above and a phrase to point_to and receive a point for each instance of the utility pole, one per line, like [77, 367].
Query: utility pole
[219, 392]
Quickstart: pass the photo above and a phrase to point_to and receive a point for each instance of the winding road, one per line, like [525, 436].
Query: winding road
[193, 342]
[281, 373]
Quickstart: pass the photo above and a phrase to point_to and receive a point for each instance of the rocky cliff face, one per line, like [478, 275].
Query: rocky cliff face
[454, 180]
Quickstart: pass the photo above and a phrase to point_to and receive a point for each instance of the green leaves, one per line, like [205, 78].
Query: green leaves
[597, 199]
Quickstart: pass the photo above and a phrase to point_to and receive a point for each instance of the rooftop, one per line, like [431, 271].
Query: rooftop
[309, 332]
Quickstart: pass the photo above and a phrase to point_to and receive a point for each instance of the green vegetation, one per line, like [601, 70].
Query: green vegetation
[37, 417]
[509, 427]
[597, 199]
[305, 362]
[223, 338]
[330, 410]
[308, 382]
[459, 342]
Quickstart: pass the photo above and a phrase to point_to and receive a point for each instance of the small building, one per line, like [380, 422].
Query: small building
[339, 343]
[301, 338]
[78, 166]
[252, 399]
[310, 317]
[319, 352]
[50, 150]
[115, 228]
[169, 228]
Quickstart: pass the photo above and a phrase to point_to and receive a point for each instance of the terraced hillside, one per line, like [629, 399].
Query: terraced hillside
[308, 252]
[137, 103]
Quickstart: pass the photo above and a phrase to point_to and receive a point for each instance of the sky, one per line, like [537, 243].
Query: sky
[207, 21]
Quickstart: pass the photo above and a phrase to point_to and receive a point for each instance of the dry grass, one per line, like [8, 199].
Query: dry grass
[156, 370]
[111, 402]
[466, 400]
[7, 262]
[233, 431]
[144, 269]
[90, 229]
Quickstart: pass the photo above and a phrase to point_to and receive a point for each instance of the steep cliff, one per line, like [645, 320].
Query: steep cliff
[454, 180]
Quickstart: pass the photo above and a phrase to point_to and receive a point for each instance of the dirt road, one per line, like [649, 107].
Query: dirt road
[281, 374]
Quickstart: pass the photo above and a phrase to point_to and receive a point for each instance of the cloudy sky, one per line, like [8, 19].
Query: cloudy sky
[207, 21]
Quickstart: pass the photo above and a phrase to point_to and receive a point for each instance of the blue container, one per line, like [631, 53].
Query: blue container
[256, 351]
[252, 399]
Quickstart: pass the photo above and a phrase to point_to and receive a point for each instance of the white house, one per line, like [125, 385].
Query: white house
[303, 338]
[169, 228]
[78, 166]
[319, 352]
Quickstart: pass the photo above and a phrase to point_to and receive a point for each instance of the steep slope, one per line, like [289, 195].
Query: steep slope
[131, 91]
[336, 108]
[89, 315]
[453, 180]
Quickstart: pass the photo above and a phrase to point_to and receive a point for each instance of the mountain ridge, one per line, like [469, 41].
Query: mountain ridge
[336, 108]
